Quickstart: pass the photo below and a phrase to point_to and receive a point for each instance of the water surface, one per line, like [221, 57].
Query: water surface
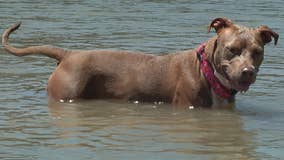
[32, 127]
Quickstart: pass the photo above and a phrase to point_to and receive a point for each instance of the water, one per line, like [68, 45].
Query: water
[31, 127]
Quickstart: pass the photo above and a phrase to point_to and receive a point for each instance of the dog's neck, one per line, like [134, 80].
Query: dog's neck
[213, 77]
[224, 81]
[210, 49]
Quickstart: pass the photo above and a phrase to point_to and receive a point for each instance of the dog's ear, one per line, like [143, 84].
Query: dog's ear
[219, 23]
[266, 33]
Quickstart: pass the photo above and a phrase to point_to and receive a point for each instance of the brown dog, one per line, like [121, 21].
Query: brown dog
[208, 76]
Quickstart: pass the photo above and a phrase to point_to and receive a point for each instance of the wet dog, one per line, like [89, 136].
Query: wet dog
[207, 76]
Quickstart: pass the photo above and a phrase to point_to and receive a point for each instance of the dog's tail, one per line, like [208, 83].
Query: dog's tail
[50, 51]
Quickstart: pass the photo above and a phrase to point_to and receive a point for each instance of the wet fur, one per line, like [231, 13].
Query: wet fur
[174, 78]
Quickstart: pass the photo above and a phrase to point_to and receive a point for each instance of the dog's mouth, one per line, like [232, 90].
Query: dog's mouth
[237, 83]
[243, 85]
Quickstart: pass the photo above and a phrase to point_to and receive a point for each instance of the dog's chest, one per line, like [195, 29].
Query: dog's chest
[218, 102]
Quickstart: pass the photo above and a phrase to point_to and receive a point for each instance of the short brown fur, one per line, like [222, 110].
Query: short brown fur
[175, 78]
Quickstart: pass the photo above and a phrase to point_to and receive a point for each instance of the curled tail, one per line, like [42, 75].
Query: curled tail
[50, 51]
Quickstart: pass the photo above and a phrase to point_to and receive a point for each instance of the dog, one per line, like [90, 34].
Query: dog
[208, 76]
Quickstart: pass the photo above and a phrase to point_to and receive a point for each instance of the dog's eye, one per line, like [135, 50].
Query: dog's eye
[257, 53]
[235, 51]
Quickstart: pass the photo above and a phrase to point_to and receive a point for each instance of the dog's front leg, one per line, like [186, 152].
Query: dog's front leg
[181, 97]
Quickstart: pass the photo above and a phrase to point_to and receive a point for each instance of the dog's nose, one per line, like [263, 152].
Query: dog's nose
[248, 72]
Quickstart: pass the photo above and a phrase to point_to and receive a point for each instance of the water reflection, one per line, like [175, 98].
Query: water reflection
[134, 129]
[106, 130]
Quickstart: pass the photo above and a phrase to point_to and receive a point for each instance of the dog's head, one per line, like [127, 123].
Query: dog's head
[239, 51]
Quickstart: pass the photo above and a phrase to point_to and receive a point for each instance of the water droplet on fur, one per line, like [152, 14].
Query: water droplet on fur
[191, 107]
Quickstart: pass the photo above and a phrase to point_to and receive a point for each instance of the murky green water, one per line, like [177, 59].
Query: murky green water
[31, 127]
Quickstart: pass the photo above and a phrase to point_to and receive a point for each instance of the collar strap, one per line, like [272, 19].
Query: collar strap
[208, 73]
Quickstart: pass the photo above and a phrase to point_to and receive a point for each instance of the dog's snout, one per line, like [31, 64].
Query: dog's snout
[248, 72]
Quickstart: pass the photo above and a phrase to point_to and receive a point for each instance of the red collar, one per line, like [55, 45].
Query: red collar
[208, 73]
